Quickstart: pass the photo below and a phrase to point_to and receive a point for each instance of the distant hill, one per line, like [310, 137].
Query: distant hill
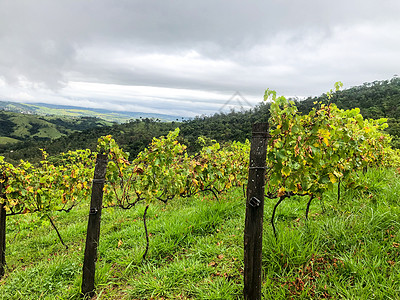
[133, 136]
[73, 111]
[17, 127]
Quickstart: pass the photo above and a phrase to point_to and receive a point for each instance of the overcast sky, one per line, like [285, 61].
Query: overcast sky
[187, 57]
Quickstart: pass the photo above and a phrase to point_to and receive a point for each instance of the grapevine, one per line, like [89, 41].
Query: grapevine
[165, 170]
[308, 154]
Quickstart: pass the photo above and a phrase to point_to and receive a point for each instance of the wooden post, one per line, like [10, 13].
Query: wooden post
[2, 229]
[93, 229]
[365, 169]
[253, 229]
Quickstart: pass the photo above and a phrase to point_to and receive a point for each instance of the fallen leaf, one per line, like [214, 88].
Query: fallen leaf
[212, 264]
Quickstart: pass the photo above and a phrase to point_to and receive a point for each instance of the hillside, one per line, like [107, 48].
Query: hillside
[376, 100]
[137, 135]
[17, 127]
[44, 109]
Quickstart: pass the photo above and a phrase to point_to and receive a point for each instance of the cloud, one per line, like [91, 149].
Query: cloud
[184, 56]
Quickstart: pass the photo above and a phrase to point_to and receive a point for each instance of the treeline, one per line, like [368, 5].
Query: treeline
[379, 99]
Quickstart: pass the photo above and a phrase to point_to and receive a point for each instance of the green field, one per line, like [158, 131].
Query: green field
[7, 140]
[349, 250]
[76, 113]
[16, 127]
[42, 109]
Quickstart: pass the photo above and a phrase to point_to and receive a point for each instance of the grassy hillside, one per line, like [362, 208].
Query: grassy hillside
[77, 112]
[21, 127]
[349, 250]
[7, 140]
[133, 136]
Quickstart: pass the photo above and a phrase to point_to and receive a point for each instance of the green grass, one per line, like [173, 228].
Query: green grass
[20, 127]
[7, 140]
[349, 250]
[75, 112]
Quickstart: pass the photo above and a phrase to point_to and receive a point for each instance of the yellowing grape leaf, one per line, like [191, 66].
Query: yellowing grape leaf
[286, 171]
[332, 178]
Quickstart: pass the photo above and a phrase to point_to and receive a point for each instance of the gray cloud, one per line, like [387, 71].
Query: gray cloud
[296, 47]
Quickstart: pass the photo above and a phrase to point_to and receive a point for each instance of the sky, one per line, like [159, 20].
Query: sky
[188, 58]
